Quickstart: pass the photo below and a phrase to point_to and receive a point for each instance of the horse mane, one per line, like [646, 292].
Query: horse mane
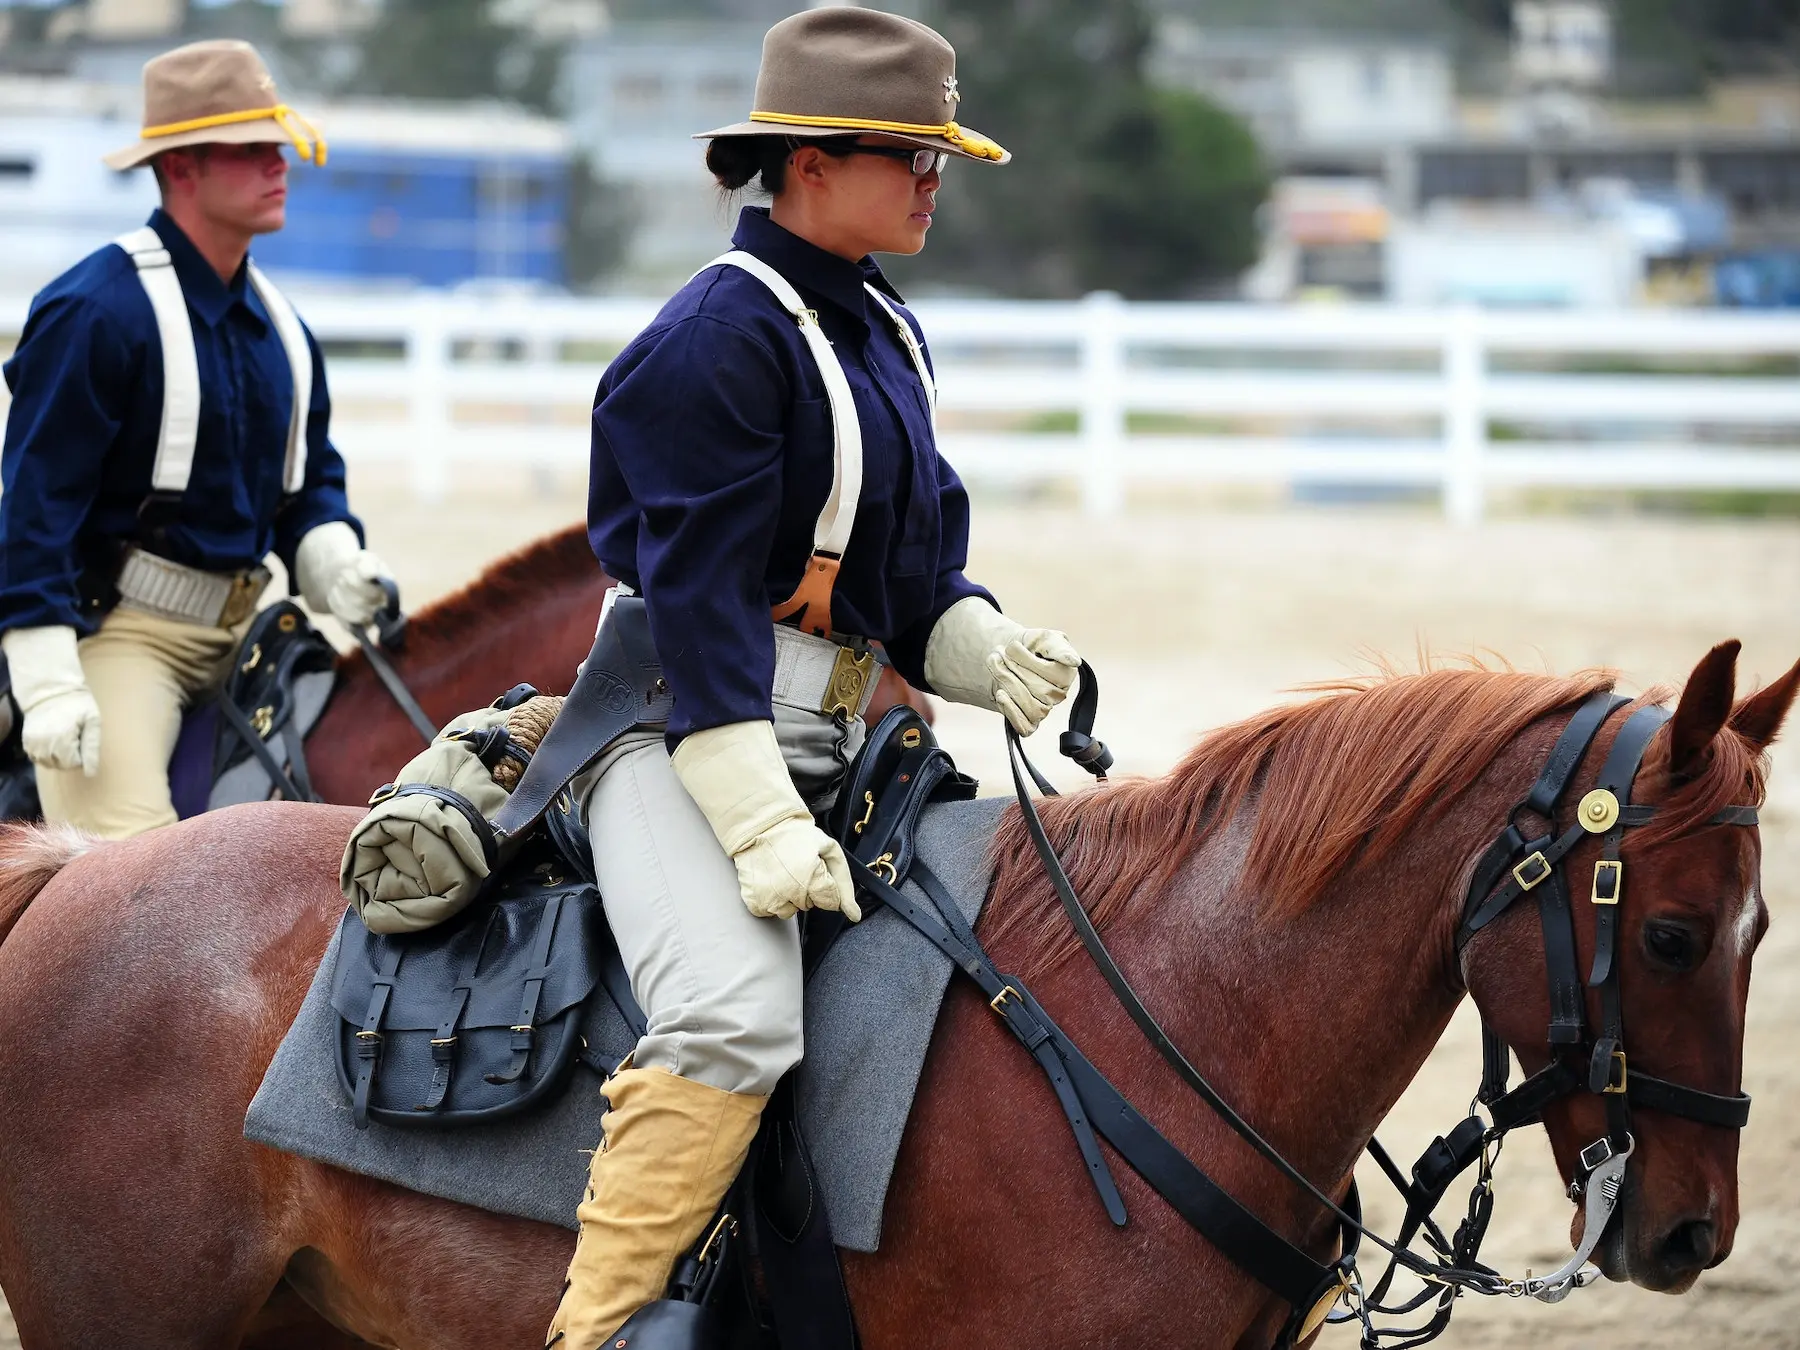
[441, 628]
[1341, 777]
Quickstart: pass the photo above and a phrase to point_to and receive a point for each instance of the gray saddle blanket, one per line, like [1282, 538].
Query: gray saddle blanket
[870, 1009]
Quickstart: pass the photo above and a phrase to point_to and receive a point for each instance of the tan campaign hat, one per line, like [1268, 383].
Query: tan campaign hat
[844, 71]
[214, 93]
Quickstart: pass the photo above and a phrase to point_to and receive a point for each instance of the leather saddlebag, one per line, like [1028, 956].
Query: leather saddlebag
[477, 1017]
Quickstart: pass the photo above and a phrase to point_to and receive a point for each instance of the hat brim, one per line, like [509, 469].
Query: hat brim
[260, 132]
[820, 133]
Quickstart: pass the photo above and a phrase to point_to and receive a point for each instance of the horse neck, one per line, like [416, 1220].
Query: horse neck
[466, 661]
[1312, 1024]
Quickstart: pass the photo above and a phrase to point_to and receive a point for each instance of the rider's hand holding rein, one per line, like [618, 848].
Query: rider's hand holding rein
[62, 720]
[785, 863]
[338, 576]
[978, 656]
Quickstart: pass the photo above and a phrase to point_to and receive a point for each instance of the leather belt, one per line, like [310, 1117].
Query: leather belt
[828, 675]
[172, 590]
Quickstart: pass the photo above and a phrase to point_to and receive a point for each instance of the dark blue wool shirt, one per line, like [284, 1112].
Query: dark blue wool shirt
[712, 458]
[87, 386]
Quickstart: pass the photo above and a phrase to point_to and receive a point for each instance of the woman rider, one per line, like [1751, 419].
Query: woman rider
[714, 455]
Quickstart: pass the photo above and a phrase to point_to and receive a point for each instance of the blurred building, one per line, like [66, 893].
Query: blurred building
[1337, 102]
[410, 193]
[635, 95]
[434, 194]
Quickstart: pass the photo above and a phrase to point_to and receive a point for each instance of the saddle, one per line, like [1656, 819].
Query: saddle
[477, 1018]
[235, 748]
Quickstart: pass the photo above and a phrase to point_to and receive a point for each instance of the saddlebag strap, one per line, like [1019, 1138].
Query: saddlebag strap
[368, 1037]
[278, 774]
[619, 690]
[523, 1029]
[443, 1049]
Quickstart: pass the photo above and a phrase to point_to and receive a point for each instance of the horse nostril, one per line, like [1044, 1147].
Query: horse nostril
[1691, 1245]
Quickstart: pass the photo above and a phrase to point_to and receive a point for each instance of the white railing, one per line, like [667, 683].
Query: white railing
[1110, 394]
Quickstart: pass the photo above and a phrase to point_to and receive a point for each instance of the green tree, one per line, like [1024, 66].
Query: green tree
[452, 49]
[1115, 185]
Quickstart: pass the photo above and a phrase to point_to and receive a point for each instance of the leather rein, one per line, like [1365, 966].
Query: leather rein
[1512, 866]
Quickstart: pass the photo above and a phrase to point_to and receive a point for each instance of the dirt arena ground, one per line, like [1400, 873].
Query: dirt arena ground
[1198, 617]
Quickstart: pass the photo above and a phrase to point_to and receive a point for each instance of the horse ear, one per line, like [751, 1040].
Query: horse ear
[1704, 707]
[1759, 717]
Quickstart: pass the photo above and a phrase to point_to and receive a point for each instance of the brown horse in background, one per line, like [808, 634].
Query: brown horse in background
[1286, 900]
[528, 618]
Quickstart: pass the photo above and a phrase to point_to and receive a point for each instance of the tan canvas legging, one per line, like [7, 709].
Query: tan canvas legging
[144, 671]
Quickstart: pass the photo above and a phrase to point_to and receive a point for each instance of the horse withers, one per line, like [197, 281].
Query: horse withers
[1287, 900]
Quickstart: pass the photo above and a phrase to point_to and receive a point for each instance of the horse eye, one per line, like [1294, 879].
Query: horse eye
[1669, 945]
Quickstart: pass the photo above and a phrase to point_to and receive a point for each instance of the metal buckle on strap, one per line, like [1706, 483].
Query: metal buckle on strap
[1540, 872]
[1614, 872]
[1616, 1082]
[850, 676]
[998, 1001]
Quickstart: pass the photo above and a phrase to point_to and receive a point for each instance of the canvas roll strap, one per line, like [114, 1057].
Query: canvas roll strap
[180, 427]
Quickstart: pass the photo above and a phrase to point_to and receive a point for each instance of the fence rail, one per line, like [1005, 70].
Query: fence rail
[1111, 395]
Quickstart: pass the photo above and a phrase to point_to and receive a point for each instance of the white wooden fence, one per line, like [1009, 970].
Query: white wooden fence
[1111, 395]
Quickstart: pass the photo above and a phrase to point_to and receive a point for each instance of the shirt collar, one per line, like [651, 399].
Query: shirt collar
[206, 294]
[810, 267]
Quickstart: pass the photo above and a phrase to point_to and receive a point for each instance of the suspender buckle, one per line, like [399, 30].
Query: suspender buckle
[1534, 871]
[1609, 881]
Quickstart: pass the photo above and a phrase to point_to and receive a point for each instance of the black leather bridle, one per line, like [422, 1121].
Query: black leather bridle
[1512, 866]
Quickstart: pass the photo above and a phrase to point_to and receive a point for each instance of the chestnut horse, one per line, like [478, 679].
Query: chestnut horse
[529, 617]
[1286, 899]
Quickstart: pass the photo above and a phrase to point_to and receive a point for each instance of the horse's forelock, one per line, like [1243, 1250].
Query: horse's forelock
[1338, 779]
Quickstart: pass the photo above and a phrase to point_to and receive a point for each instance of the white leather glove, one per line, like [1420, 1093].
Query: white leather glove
[62, 721]
[337, 575]
[976, 655]
[785, 863]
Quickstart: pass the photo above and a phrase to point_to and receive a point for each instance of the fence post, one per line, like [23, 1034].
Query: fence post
[1465, 417]
[1102, 403]
[428, 359]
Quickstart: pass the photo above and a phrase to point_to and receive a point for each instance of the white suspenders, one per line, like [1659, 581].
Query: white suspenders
[181, 369]
[832, 533]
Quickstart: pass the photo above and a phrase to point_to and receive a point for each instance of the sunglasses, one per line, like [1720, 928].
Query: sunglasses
[921, 162]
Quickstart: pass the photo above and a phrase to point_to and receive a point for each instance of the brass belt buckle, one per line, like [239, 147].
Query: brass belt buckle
[850, 675]
[240, 604]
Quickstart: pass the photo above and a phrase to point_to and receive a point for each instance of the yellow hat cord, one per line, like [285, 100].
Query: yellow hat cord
[979, 146]
[302, 133]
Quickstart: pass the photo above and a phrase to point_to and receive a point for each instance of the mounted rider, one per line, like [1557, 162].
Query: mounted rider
[169, 430]
[727, 489]
[767, 488]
